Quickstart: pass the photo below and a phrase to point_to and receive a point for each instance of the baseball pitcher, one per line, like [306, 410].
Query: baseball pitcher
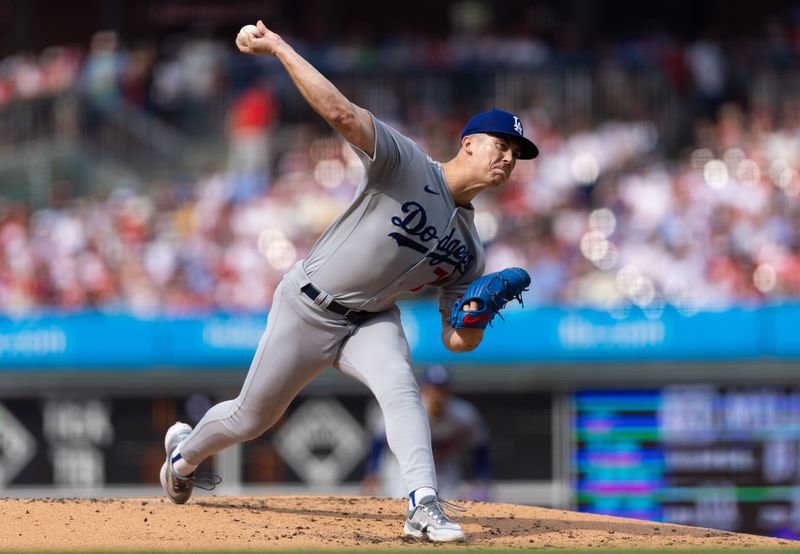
[410, 224]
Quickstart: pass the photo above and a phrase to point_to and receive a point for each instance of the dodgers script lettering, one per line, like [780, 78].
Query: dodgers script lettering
[448, 249]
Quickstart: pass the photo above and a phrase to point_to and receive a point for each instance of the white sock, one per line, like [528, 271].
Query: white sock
[181, 466]
[418, 495]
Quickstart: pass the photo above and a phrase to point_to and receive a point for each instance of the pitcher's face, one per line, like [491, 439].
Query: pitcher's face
[496, 155]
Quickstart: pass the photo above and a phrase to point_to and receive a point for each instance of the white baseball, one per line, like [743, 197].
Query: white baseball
[246, 33]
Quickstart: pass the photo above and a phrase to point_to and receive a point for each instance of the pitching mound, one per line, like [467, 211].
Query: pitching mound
[325, 522]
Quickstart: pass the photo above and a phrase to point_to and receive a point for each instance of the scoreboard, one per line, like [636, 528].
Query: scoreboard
[719, 457]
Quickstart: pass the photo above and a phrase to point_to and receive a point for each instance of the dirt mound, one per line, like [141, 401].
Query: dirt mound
[293, 522]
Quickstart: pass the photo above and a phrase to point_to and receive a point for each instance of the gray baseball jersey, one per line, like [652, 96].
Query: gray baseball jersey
[402, 231]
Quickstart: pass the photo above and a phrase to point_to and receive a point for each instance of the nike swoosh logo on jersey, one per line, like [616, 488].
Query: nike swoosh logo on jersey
[429, 189]
[470, 319]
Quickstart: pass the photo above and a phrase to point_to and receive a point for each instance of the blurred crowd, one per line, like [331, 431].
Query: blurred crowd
[599, 219]
[167, 75]
[604, 217]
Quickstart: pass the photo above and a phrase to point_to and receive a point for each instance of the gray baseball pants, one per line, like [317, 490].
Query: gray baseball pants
[301, 340]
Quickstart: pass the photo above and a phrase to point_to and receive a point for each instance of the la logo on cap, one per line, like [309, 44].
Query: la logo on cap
[517, 125]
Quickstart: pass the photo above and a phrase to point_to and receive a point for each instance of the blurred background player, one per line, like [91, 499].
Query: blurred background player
[460, 440]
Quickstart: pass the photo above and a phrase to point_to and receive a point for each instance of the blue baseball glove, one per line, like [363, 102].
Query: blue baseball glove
[493, 292]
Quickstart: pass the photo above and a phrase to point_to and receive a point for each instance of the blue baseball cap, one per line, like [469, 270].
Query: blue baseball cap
[436, 376]
[500, 122]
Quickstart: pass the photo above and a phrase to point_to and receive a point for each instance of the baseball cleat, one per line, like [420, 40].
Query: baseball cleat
[428, 519]
[177, 487]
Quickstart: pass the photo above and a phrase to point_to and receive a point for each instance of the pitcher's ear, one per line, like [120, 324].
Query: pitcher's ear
[467, 143]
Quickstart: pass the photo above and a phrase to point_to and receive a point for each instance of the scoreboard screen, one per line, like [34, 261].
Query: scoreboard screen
[720, 457]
